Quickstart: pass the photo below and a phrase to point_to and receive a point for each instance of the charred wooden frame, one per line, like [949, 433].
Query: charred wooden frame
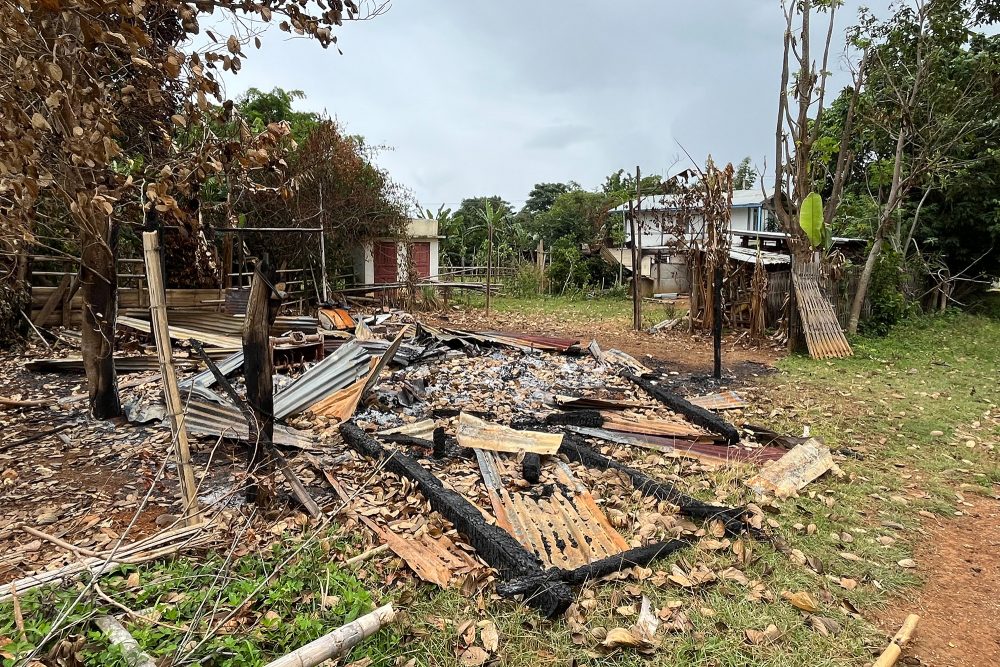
[639, 556]
[493, 544]
[575, 450]
[693, 413]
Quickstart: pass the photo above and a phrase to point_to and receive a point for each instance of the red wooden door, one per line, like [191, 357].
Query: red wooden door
[386, 263]
[422, 258]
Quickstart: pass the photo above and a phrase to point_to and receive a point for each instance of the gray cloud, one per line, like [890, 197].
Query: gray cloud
[485, 97]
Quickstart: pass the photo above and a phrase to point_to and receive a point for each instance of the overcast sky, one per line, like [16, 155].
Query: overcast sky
[480, 98]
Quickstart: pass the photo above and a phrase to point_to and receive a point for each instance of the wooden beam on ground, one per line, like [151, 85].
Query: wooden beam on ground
[171, 394]
[895, 648]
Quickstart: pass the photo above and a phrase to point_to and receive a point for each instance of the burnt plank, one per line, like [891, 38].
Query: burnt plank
[693, 413]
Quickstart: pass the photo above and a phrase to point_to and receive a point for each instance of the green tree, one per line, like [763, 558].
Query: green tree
[261, 108]
[543, 196]
[746, 175]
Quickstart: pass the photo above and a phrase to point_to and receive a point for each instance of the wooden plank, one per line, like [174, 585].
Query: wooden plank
[478, 434]
[54, 300]
[794, 470]
[171, 394]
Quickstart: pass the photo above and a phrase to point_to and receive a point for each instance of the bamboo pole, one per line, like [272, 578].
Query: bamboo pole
[131, 651]
[171, 394]
[895, 648]
[337, 642]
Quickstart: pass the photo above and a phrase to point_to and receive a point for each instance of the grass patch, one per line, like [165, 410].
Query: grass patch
[577, 309]
[308, 598]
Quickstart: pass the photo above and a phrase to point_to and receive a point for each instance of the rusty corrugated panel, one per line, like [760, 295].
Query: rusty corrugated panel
[336, 318]
[591, 403]
[341, 369]
[529, 341]
[478, 434]
[614, 421]
[724, 400]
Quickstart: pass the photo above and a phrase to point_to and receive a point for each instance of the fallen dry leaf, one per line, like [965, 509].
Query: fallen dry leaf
[766, 636]
[801, 600]
[824, 625]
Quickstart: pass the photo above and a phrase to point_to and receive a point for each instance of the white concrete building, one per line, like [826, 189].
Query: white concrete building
[385, 260]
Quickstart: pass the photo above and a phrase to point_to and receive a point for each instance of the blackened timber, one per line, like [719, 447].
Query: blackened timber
[493, 544]
[589, 418]
[575, 450]
[531, 467]
[637, 557]
[693, 413]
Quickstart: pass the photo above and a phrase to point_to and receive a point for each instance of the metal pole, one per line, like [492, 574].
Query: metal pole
[717, 317]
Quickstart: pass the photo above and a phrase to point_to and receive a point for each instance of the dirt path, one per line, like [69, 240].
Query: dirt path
[960, 604]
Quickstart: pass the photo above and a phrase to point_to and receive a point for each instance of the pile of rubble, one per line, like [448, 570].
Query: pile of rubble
[470, 455]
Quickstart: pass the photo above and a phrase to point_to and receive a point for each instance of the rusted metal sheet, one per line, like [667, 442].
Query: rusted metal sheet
[562, 532]
[723, 400]
[590, 403]
[336, 318]
[614, 421]
[478, 434]
[434, 559]
[520, 341]
[337, 371]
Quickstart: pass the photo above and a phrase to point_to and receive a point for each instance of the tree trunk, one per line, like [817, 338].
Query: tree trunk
[258, 368]
[99, 283]
[864, 282]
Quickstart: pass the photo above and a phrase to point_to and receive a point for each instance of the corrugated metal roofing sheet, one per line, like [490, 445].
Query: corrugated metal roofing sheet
[340, 369]
[213, 419]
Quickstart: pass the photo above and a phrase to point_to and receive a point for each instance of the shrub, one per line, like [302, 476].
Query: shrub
[526, 282]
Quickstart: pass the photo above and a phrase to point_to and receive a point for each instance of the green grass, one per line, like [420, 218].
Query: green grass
[577, 309]
[308, 598]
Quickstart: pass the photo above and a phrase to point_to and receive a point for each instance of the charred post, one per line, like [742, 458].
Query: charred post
[588, 418]
[531, 467]
[693, 413]
[493, 544]
[258, 367]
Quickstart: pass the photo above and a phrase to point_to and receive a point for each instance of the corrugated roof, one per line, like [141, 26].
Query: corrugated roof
[339, 370]
[741, 198]
[202, 417]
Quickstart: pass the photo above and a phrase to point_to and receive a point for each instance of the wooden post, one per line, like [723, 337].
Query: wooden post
[895, 648]
[171, 395]
[258, 367]
[55, 298]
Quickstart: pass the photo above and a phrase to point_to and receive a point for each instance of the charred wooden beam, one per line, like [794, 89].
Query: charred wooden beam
[731, 517]
[493, 544]
[640, 556]
[531, 467]
[693, 413]
[589, 418]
